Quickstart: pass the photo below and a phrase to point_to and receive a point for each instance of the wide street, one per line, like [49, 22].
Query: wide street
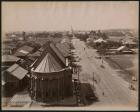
[111, 89]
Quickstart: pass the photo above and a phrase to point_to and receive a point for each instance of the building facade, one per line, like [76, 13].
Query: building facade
[55, 86]
[51, 80]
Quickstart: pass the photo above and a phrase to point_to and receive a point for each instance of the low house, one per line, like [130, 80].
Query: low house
[100, 40]
[98, 43]
[130, 43]
[23, 51]
[124, 50]
[8, 60]
[14, 78]
[34, 55]
[115, 41]
[89, 40]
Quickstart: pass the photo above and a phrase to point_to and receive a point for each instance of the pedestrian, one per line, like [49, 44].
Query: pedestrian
[103, 93]
[96, 81]
[102, 61]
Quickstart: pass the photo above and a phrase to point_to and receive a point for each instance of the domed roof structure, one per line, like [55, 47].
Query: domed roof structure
[51, 80]
[48, 64]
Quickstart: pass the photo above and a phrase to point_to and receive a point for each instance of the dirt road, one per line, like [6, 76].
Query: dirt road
[110, 88]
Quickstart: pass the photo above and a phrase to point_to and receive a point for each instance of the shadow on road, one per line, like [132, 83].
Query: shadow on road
[88, 94]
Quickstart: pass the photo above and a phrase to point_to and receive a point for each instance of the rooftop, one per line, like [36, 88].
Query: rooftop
[122, 48]
[17, 71]
[37, 53]
[99, 40]
[48, 64]
[9, 58]
[23, 51]
[64, 48]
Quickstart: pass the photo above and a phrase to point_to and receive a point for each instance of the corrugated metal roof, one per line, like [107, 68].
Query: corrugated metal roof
[9, 58]
[48, 64]
[17, 71]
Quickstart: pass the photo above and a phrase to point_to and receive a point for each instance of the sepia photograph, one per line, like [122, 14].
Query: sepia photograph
[80, 55]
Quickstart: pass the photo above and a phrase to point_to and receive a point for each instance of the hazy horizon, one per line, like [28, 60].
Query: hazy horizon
[60, 16]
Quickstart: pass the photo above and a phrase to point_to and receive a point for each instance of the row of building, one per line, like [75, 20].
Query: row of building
[117, 46]
[46, 72]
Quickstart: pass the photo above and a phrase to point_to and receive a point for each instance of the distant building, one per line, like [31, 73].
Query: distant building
[89, 40]
[23, 51]
[124, 50]
[130, 43]
[65, 40]
[100, 40]
[8, 46]
[51, 80]
[34, 55]
[8, 60]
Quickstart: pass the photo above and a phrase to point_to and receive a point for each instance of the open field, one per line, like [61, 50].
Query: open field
[125, 65]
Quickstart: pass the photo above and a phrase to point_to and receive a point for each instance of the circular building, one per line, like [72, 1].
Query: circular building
[50, 81]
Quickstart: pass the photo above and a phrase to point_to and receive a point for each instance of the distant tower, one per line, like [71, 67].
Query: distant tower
[24, 36]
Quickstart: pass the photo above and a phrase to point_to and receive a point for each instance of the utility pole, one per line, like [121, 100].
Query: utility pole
[78, 72]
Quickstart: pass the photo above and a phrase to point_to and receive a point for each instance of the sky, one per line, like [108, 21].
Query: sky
[45, 16]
